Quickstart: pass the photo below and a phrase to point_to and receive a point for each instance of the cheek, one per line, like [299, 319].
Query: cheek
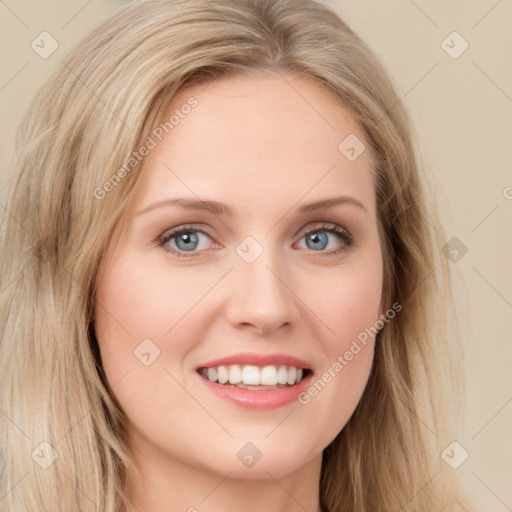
[351, 304]
[131, 307]
[136, 301]
[355, 306]
[136, 305]
[351, 309]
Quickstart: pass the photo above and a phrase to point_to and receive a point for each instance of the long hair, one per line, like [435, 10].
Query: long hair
[83, 126]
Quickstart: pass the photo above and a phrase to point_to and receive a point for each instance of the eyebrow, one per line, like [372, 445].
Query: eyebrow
[222, 209]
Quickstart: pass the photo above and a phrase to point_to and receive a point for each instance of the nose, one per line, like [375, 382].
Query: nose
[261, 297]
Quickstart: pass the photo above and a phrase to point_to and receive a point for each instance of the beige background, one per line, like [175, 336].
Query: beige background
[463, 112]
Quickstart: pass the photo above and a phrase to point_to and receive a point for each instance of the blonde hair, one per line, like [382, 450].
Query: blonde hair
[82, 127]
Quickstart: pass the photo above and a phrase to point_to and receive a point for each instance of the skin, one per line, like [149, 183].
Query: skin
[264, 146]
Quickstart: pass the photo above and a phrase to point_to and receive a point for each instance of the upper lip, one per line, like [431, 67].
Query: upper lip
[259, 360]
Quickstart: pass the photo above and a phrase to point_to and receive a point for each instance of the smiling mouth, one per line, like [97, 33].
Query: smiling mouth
[255, 377]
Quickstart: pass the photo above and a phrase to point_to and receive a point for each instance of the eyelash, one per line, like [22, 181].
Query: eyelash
[347, 239]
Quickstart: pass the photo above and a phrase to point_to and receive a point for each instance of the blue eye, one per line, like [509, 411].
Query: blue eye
[186, 239]
[317, 239]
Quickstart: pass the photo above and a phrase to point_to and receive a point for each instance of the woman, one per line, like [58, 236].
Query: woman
[220, 289]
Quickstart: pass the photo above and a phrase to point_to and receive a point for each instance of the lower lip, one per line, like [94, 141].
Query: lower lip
[258, 399]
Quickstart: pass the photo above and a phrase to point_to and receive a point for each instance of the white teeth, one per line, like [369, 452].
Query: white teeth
[212, 374]
[282, 375]
[292, 375]
[269, 376]
[251, 375]
[235, 374]
[222, 374]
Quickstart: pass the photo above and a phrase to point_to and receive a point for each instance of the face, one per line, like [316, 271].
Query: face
[253, 283]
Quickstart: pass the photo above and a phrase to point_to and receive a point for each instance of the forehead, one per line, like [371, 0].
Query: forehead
[256, 140]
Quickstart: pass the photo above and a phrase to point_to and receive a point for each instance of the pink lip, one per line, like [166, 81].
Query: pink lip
[259, 360]
[254, 399]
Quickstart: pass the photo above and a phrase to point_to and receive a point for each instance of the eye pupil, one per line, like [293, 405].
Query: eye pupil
[317, 237]
[188, 238]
